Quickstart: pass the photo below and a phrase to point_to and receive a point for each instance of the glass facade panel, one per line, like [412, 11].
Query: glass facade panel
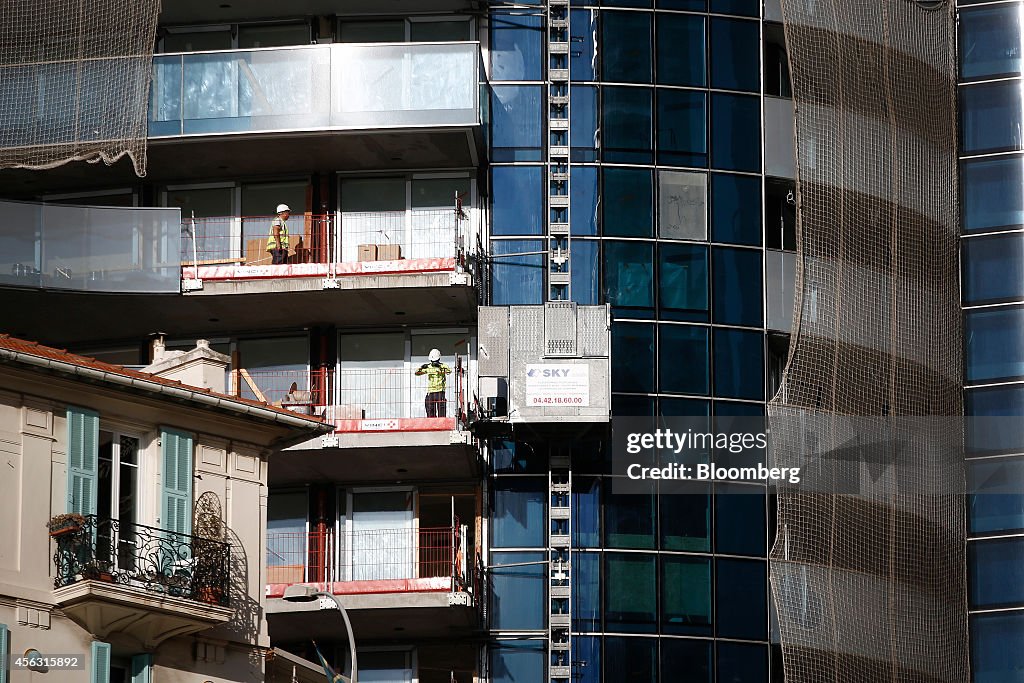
[685, 520]
[629, 211]
[680, 51]
[741, 609]
[586, 592]
[993, 193]
[631, 660]
[630, 603]
[683, 359]
[516, 46]
[997, 501]
[999, 429]
[685, 595]
[628, 519]
[586, 512]
[583, 54]
[737, 292]
[990, 41]
[997, 572]
[735, 209]
[517, 200]
[626, 113]
[518, 595]
[738, 364]
[586, 274]
[740, 521]
[682, 205]
[990, 117]
[746, 8]
[518, 518]
[735, 54]
[741, 662]
[516, 123]
[516, 661]
[586, 659]
[626, 47]
[517, 279]
[686, 660]
[633, 345]
[996, 654]
[995, 344]
[629, 277]
[682, 135]
[583, 200]
[993, 269]
[583, 129]
[735, 132]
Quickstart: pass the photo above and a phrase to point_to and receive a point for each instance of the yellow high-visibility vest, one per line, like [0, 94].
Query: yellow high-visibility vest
[272, 242]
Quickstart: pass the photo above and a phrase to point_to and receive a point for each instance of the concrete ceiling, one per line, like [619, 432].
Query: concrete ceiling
[230, 11]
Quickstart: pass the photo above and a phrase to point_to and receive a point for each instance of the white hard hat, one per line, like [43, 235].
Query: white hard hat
[282, 207]
[435, 355]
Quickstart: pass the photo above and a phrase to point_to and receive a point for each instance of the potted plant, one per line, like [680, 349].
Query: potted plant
[66, 523]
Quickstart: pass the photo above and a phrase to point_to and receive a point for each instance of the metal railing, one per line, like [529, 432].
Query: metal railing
[221, 240]
[178, 565]
[358, 394]
[371, 555]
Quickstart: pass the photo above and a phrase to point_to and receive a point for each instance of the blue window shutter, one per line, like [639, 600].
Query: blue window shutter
[82, 457]
[176, 510]
[5, 652]
[142, 668]
[100, 670]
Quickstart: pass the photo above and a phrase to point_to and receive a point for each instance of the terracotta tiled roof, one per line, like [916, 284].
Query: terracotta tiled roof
[9, 343]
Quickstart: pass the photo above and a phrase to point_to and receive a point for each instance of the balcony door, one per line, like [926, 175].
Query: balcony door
[381, 535]
[373, 379]
[117, 492]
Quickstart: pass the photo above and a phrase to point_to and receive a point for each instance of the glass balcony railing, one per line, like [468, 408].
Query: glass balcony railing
[341, 86]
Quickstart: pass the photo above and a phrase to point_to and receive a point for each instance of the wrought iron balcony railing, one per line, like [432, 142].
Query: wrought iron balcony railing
[177, 565]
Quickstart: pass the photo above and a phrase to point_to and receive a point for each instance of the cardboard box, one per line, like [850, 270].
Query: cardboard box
[348, 411]
[288, 573]
[389, 252]
[367, 252]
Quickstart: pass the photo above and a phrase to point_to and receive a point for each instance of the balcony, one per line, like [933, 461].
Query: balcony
[383, 422]
[415, 101]
[424, 579]
[114, 577]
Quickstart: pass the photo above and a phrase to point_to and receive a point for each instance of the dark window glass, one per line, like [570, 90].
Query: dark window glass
[738, 364]
[990, 42]
[440, 31]
[739, 662]
[582, 27]
[628, 519]
[516, 123]
[518, 596]
[628, 210]
[583, 200]
[630, 660]
[735, 209]
[993, 268]
[518, 660]
[744, 8]
[626, 47]
[583, 131]
[682, 137]
[993, 339]
[683, 282]
[516, 206]
[736, 288]
[586, 277]
[634, 406]
[625, 3]
[586, 592]
[627, 125]
[992, 193]
[516, 46]
[680, 39]
[741, 607]
[633, 371]
[686, 660]
[997, 501]
[517, 280]
[682, 205]
[990, 117]
[586, 509]
[735, 49]
[740, 520]
[683, 407]
[996, 654]
[696, 5]
[735, 132]
[516, 457]
[996, 426]
[518, 512]
[586, 659]
[629, 277]
[630, 588]
[683, 359]
[685, 595]
[996, 572]
[685, 519]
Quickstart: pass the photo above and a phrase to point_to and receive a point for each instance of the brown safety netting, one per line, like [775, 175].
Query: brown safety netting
[74, 81]
[868, 564]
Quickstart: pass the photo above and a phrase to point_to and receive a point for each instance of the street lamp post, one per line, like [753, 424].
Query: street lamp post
[302, 593]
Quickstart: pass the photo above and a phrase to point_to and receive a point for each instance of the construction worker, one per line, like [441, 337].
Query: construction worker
[437, 377]
[277, 244]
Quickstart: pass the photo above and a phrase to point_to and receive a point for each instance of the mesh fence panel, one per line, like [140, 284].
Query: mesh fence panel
[871, 585]
[74, 81]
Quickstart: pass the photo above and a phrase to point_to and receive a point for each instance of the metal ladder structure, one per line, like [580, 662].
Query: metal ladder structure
[559, 566]
[559, 278]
